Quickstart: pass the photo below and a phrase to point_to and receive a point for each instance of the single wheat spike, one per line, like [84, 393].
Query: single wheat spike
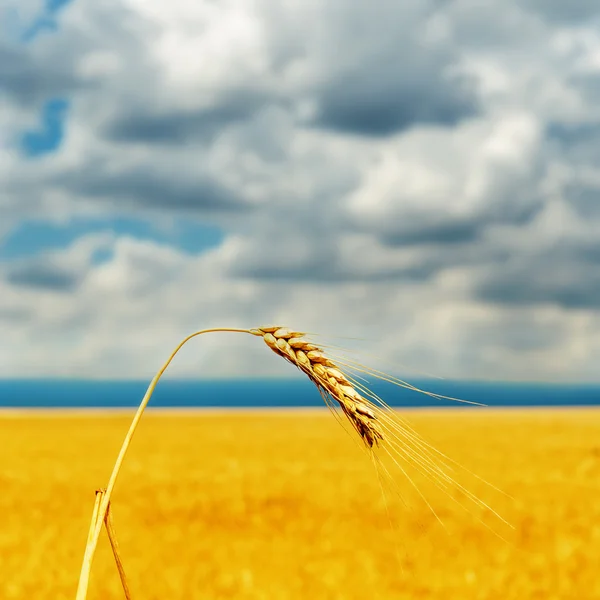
[372, 420]
[328, 378]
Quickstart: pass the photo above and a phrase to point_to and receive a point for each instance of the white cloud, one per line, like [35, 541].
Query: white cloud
[126, 315]
[423, 174]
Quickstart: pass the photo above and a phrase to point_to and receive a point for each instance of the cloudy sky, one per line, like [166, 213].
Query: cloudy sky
[420, 174]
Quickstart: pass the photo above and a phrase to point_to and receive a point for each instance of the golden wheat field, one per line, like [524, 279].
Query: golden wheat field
[285, 505]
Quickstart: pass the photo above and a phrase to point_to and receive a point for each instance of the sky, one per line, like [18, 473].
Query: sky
[423, 175]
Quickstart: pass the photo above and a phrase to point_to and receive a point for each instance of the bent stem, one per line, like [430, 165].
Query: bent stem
[103, 498]
[112, 538]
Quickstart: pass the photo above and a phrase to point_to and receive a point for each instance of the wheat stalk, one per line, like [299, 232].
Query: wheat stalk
[369, 416]
[103, 500]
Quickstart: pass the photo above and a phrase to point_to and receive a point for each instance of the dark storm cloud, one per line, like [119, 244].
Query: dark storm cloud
[564, 12]
[174, 126]
[28, 81]
[579, 147]
[567, 275]
[585, 199]
[316, 270]
[383, 98]
[43, 275]
[571, 134]
[16, 314]
[518, 334]
[440, 232]
[145, 187]
[333, 268]
[524, 288]
[317, 257]
[442, 228]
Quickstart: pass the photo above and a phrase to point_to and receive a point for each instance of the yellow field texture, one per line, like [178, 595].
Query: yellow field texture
[285, 505]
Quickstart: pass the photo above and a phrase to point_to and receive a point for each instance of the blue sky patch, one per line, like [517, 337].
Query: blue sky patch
[48, 136]
[45, 21]
[32, 237]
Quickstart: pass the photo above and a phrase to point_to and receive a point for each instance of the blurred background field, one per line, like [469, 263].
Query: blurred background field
[283, 504]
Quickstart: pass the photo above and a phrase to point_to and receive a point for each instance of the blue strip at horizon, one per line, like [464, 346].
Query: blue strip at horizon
[280, 393]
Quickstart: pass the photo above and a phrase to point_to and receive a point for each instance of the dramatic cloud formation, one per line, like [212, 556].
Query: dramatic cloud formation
[422, 174]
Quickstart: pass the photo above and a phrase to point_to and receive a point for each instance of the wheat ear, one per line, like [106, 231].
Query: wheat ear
[369, 421]
[328, 378]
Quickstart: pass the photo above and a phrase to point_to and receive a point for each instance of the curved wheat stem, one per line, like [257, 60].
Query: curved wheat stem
[370, 418]
[100, 514]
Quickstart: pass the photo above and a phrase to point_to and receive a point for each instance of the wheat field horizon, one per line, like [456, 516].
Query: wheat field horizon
[418, 488]
[391, 443]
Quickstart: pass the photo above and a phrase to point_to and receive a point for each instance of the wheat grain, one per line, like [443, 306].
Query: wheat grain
[329, 379]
